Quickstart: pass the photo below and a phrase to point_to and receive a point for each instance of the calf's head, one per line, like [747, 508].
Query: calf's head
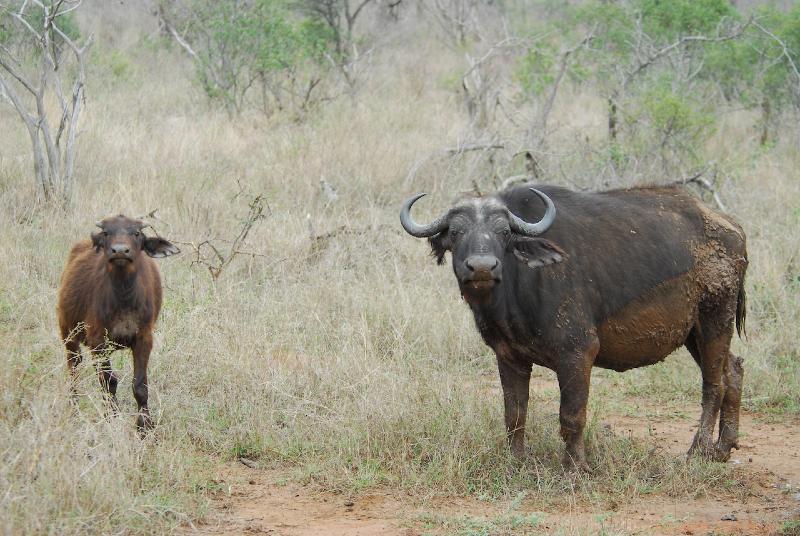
[481, 235]
[122, 240]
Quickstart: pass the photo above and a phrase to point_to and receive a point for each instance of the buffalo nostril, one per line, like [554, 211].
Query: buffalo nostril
[482, 263]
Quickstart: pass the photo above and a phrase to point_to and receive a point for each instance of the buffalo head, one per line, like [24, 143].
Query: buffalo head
[481, 235]
[122, 240]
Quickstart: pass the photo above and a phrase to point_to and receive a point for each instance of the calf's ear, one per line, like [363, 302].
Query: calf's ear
[536, 252]
[157, 247]
[97, 241]
[440, 243]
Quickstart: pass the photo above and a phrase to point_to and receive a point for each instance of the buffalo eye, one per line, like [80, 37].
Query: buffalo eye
[105, 233]
[136, 233]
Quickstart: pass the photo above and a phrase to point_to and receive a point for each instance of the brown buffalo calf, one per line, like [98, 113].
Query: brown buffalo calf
[109, 297]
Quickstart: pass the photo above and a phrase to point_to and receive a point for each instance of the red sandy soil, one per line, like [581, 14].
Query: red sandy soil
[261, 501]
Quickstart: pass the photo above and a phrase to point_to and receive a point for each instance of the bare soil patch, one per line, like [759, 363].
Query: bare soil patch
[264, 501]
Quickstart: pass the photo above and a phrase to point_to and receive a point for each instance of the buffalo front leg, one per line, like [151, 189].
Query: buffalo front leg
[141, 356]
[108, 380]
[574, 375]
[515, 379]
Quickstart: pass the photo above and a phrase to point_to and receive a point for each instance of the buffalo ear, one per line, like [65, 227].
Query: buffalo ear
[536, 252]
[440, 243]
[97, 241]
[157, 247]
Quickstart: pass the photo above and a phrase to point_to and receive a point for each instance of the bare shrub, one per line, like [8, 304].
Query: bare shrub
[31, 83]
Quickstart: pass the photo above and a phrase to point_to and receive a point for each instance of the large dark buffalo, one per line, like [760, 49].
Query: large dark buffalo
[618, 280]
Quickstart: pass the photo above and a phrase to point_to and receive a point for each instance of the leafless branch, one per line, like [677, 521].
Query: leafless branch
[219, 260]
[56, 170]
[652, 58]
[12, 70]
[320, 242]
[515, 179]
[181, 41]
[563, 63]
[784, 51]
[697, 178]
[474, 147]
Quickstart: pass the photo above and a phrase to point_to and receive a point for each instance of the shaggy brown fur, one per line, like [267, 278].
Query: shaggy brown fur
[109, 298]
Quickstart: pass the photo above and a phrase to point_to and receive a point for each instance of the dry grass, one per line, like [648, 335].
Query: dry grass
[357, 364]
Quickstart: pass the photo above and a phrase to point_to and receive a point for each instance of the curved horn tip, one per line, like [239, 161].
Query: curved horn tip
[415, 229]
[535, 229]
[540, 193]
[99, 223]
[544, 197]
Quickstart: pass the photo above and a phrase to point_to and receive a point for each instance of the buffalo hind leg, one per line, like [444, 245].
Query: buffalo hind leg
[141, 356]
[711, 349]
[729, 413]
[515, 378]
[574, 376]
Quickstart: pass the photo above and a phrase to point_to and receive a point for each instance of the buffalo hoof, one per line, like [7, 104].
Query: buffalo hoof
[720, 455]
[112, 407]
[722, 450]
[144, 423]
[577, 465]
[701, 448]
[518, 453]
[714, 453]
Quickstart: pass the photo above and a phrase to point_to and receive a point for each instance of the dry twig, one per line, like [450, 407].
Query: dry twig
[220, 259]
[697, 178]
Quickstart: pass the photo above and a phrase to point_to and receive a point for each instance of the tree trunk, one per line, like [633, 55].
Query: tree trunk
[766, 115]
[612, 119]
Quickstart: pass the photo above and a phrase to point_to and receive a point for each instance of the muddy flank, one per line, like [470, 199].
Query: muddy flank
[261, 501]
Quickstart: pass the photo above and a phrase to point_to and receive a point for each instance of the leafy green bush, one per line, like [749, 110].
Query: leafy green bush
[536, 69]
[237, 44]
[678, 18]
[665, 67]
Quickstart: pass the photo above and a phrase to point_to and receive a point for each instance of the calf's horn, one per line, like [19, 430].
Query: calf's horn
[518, 225]
[415, 229]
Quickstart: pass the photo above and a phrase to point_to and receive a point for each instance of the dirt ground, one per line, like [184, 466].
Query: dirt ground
[258, 501]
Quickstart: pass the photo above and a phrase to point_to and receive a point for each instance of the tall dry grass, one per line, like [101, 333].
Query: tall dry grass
[353, 362]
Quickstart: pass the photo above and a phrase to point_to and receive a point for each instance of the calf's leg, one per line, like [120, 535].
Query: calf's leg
[141, 356]
[108, 380]
[100, 353]
[73, 360]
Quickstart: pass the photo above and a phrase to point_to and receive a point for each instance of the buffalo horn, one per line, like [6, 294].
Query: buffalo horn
[413, 228]
[518, 225]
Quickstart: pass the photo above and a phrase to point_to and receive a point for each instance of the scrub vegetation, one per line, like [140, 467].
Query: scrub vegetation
[273, 142]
